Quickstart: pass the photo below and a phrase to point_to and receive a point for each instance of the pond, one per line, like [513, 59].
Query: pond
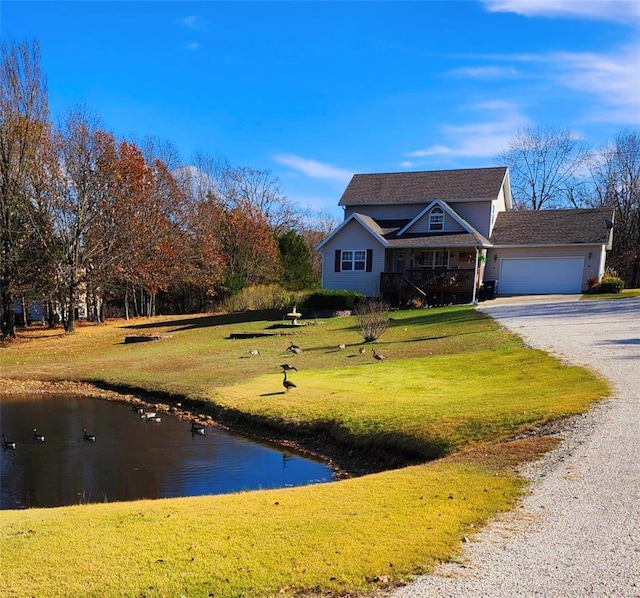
[131, 458]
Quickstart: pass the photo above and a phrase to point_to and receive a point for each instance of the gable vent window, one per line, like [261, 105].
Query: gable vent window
[436, 219]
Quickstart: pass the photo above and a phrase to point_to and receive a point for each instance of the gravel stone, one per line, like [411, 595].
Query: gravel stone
[577, 532]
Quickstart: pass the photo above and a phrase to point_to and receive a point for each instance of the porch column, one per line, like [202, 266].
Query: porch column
[475, 279]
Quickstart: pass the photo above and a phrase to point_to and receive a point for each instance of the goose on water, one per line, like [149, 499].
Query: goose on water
[37, 437]
[197, 428]
[88, 437]
[7, 444]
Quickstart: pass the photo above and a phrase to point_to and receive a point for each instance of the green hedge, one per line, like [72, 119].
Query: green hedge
[610, 284]
[334, 300]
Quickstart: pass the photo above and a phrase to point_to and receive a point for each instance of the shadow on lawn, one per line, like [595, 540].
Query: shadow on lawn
[181, 324]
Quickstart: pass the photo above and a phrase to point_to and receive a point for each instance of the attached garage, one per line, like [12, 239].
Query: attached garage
[540, 276]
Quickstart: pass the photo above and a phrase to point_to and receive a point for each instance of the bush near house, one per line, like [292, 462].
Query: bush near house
[334, 300]
[611, 284]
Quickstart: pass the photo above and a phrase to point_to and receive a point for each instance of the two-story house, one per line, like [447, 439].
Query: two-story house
[436, 236]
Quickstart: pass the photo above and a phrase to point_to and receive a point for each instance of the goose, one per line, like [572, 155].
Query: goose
[37, 437]
[197, 428]
[7, 444]
[342, 346]
[88, 437]
[294, 349]
[287, 383]
[254, 352]
[148, 415]
[377, 356]
[362, 350]
[288, 367]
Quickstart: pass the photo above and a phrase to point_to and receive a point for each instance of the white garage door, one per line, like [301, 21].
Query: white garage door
[540, 276]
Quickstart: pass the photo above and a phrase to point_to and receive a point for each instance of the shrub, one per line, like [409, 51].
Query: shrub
[262, 297]
[373, 319]
[610, 284]
[593, 282]
[334, 300]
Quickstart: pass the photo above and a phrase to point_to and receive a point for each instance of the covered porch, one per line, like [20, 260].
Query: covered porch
[432, 276]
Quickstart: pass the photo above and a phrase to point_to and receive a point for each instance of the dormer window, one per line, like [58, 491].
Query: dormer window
[436, 219]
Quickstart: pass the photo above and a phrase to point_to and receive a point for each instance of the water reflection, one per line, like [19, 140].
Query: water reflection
[131, 458]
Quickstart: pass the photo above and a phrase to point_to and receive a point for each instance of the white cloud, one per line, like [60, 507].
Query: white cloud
[313, 168]
[612, 81]
[192, 46]
[192, 22]
[482, 139]
[606, 10]
[485, 72]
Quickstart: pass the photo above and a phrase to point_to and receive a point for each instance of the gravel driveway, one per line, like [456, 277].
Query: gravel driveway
[577, 533]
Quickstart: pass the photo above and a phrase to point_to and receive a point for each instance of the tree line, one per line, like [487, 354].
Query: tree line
[120, 221]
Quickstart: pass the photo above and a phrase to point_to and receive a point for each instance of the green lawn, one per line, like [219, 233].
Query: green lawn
[455, 386]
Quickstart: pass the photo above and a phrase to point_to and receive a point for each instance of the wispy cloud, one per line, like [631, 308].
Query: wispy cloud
[313, 168]
[485, 72]
[482, 139]
[192, 46]
[611, 80]
[604, 10]
[192, 22]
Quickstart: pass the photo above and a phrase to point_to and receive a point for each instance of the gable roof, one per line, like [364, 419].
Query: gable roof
[446, 209]
[368, 223]
[418, 187]
[389, 234]
[553, 227]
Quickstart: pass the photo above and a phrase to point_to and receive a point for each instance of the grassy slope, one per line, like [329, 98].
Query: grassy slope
[453, 379]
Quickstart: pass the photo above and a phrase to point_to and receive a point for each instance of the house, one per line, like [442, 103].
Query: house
[451, 236]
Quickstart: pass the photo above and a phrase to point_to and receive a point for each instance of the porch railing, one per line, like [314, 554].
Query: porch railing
[436, 286]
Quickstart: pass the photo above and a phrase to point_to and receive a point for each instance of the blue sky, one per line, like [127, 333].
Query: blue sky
[317, 91]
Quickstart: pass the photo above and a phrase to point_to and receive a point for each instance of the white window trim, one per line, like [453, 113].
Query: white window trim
[445, 254]
[353, 261]
[436, 219]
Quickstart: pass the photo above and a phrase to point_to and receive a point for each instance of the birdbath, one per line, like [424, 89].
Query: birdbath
[293, 315]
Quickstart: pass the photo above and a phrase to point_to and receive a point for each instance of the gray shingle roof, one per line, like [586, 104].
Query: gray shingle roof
[552, 227]
[418, 187]
[388, 229]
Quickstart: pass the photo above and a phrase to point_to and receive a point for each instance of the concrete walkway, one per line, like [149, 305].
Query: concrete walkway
[577, 534]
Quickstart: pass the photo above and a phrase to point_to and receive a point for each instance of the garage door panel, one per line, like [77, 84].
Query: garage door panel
[530, 276]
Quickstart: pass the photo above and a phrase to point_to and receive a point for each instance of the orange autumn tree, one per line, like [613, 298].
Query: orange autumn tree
[149, 207]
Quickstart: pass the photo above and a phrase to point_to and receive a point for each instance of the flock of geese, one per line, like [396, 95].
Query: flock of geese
[146, 415]
[38, 437]
[296, 350]
[196, 428]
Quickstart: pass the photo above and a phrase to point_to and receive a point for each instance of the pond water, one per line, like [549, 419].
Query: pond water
[131, 458]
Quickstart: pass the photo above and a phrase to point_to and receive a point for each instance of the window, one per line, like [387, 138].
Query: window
[436, 219]
[353, 260]
[434, 258]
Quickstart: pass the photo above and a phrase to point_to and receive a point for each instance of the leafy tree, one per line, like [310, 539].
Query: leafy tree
[547, 168]
[23, 124]
[295, 262]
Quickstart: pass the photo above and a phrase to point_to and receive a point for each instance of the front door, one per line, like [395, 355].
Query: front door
[400, 259]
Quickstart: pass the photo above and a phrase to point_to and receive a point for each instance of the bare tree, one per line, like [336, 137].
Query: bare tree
[373, 320]
[74, 204]
[23, 123]
[547, 168]
[616, 179]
